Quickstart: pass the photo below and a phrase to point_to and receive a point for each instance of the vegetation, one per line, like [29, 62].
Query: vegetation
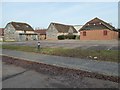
[78, 37]
[103, 55]
[62, 37]
[70, 36]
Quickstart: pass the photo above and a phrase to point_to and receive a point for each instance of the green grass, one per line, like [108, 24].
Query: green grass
[103, 55]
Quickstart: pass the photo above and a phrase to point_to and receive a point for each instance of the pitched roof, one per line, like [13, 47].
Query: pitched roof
[63, 28]
[41, 31]
[77, 27]
[97, 24]
[1, 31]
[21, 26]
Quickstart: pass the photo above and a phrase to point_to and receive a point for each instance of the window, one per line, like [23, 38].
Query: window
[105, 32]
[84, 33]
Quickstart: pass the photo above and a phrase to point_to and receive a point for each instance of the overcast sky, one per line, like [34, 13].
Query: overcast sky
[41, 14]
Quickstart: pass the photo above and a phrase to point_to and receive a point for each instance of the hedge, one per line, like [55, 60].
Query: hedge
[62, 37]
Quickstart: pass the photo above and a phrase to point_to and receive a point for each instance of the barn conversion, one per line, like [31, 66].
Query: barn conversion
[56, 29]
[97, 29]
[17, 31]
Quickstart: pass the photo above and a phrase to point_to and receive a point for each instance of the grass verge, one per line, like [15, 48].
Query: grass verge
[102, 55]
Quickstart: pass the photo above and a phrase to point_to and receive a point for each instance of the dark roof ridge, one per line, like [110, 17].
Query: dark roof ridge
[105, 24]
[62, 27]
[21, 26]
[17, 22]
[60, 24]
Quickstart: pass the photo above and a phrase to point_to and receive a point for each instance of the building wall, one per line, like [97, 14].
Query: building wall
[70, 31]
[20, 31]
[9, 33]
[30, 32]
[76, 34]
[62, 34]
[22, 37]
[98, 35]
[17, 37]
[42, 37]
[66, 34]
[1, 38]
[51, 33]
[78, 27]
[34, 37]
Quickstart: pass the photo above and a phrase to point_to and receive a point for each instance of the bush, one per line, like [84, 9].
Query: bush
[78, 37]
[61, 37]
[71, 36]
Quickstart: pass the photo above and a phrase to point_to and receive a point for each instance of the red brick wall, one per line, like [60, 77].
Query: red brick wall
[98, 35]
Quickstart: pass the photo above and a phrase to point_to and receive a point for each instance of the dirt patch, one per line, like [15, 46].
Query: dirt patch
[54, 70]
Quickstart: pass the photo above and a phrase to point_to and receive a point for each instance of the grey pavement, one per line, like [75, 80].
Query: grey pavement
[18, 77]
[102, 67]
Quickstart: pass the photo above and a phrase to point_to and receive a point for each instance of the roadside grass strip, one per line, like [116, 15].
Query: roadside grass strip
[101, 55]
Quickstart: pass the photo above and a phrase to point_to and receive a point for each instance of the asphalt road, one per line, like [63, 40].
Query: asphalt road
[102, 67]
[95, 45]
[18, 77]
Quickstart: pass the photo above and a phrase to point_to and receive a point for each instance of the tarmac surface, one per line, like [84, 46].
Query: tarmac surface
[18, 77]
[102, 67]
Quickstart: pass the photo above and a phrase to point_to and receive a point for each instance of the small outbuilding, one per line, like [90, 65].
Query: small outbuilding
[41, 33]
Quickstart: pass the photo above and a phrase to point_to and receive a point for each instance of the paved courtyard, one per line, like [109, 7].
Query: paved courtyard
[95, 45]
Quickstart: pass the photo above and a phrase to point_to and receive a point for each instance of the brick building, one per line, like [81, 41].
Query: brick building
[97, 29]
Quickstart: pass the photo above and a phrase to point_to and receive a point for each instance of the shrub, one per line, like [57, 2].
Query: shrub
[71, 36]
[61, 37]
[78, 37]
[65, 36]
